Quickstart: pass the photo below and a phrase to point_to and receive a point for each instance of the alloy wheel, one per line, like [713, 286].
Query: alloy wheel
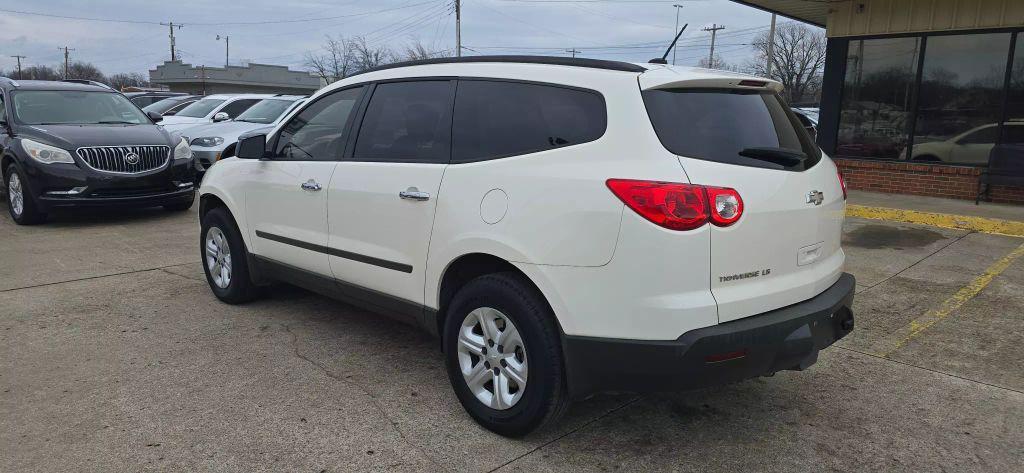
[218, 257]
[492, 358]
[15, 194]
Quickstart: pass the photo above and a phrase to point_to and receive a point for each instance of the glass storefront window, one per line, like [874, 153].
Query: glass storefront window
[877, 93]
[960, 100]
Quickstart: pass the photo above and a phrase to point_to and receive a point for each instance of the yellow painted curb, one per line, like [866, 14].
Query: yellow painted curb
[963, 222]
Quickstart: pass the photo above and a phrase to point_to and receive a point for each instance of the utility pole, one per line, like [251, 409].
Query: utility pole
[771, 49]
[227, 49]
[19, 58]
[202, 77]
[574, 52]
[170, 27]
[458, 28]
[66, 62]
[713, 29]
[678, 7]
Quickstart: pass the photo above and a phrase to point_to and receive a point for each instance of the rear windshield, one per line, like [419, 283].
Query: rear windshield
[729, 126]
[200, 109]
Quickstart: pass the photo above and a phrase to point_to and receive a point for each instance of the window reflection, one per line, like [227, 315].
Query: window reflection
[960, 101]
[876, 103]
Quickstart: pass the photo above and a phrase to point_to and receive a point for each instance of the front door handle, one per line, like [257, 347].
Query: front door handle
[413, 193]
[311, 185]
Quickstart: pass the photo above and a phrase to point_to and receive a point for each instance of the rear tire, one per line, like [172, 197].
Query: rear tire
[520, 317]
[20, 203]
[225, 258]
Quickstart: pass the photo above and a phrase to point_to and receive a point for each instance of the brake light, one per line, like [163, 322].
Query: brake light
[842, 183]
[668, 204]
[678, 206]
[726, 205]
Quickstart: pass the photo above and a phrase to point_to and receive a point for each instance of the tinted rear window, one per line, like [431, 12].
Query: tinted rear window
[495, 119]
[716, 125]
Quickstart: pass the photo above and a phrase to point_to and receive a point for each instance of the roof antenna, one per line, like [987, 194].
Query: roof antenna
[661, 60]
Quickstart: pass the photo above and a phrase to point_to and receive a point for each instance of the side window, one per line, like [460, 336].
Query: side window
[178, 107]
[319, 132]
[3, 109]
[985, 135]
[238, 106]
[495, 119]
[407, 122]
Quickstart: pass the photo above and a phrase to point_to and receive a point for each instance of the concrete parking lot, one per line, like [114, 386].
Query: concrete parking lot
[114, 356]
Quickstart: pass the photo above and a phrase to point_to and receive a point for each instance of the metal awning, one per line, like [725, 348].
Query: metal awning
[813, 12]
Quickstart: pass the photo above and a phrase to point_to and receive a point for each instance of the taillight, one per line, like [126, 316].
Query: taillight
[678, 206]
[668, 204]
[726, 205]
[842, 183]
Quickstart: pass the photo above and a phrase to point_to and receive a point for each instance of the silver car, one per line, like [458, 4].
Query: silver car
[213, 141]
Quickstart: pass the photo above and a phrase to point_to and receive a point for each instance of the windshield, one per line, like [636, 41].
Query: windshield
[200, 109]
[55, 107]
[724, 124]
[265, 111]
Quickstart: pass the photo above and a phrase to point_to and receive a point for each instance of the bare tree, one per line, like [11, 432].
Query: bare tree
[368, 57]
[335, 63]
[417, 50]
[40, 73]
[85, 70]
[798, 59]
[715, 63]
[127, 79]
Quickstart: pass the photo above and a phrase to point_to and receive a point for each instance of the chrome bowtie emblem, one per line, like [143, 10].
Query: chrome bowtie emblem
[131, 158]
[815, 197]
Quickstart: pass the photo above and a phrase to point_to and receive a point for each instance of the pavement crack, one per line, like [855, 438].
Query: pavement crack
[373, 399]
[904, 363]
[100, 276]
[947, 245]
[568, 433]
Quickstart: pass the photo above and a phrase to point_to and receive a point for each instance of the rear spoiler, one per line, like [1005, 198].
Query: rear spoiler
[698, 79]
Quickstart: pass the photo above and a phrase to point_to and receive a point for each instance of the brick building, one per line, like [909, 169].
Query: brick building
[921, 96]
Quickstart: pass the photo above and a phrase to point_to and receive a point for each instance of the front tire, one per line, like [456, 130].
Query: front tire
[504, 356]
[225, 258]
[20, 203]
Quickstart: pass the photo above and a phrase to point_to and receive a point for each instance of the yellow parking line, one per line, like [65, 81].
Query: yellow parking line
[963, 222]
[934, 316]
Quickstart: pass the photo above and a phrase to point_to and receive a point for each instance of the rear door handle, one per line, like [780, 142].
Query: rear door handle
[413, 193]
[311, 185]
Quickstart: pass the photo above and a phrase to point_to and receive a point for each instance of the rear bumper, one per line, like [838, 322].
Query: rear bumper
[783, 339]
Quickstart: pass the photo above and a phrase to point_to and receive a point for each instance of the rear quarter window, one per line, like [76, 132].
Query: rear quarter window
[495, 119]
[718, 124]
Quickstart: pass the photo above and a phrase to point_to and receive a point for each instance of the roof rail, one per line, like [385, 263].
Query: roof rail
[88, 82]
[13, 82]
[552, 60]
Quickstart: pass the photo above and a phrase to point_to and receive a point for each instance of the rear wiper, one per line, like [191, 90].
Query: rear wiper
[781, 156]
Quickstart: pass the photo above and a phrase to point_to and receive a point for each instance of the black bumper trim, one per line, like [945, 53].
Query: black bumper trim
[147, 200]
[783, 339]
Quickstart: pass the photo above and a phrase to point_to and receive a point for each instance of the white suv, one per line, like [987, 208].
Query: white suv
[567, 226]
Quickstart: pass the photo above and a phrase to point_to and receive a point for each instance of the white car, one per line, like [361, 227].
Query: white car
[211, 109]
[566, 226]
[213, 140]
[970, 147]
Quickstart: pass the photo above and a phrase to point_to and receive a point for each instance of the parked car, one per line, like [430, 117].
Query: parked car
[212, 141]
[68, 144]
[212, 109]
[143, 99]
[171, 105]
[810, 124]
[970, 147]
[599, 226]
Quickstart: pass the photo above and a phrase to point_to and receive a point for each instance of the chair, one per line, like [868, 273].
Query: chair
[1005, 168]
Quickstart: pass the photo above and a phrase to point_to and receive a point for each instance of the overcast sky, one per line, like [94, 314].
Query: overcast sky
[281, 32]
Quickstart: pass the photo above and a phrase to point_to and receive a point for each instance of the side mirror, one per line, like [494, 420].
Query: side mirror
[252, 147]
[221, 116]
[156, 117]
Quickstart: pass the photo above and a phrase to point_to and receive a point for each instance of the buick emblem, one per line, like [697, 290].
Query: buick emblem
[815, 197]
[131, 158]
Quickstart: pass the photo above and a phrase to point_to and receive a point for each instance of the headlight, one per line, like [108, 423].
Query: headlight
[46, 154]
[182, 151]
[208, 142]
